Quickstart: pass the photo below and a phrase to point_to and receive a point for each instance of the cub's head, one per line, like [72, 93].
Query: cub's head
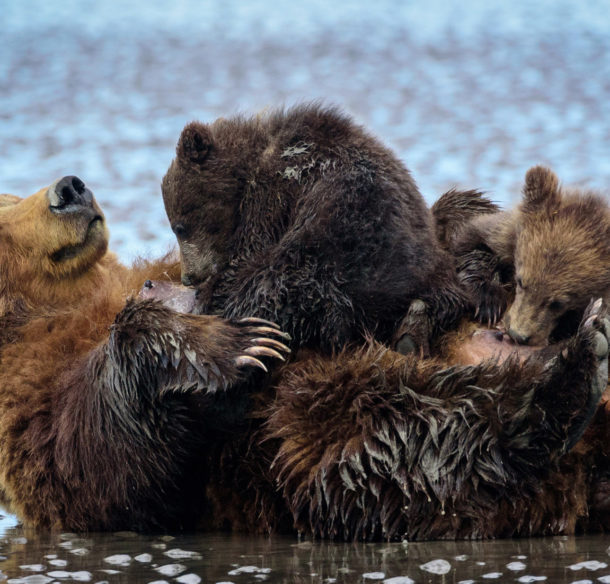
[48, 241]
[202, 192]
[562, 257]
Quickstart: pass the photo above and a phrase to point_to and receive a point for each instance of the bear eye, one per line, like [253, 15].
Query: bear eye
[555, 305]
[519, 283]
[179, 230]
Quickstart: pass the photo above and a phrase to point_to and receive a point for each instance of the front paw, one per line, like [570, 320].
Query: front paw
[413, 332]
[587, 355]
[260, 338]
[490, 304]
[594, 332]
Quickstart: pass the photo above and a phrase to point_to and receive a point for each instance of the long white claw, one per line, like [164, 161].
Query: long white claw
[264, 352]
[256, 320]
[271, 343]
[247, 361]
[265, 330]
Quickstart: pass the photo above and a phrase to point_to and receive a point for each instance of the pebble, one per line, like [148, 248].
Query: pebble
[58, 563]
[178, 554]
[589, 565]
[373, 576]
[171, 569]
[516, 566]
[143, 558]
[35, 579]
[436, 567]
[189, 579]
[118, 560]
[529, 579]
[246, 570]
[399, 580]
[492, 575]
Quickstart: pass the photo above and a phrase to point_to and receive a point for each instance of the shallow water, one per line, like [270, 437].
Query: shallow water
[126, 557]
[468, 93]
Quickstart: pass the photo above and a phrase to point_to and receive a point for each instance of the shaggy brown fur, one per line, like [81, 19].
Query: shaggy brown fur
[101, 397]
[302, 217]
[377, 445]
[546, 259]
[124, 414]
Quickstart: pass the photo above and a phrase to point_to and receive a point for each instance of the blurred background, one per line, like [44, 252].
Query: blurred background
[468, 93]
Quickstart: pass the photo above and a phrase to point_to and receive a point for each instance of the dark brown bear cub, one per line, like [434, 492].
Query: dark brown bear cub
[547, 259]
[302, 217]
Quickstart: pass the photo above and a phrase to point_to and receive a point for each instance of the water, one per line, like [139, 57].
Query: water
[468, 93]
[189, 559]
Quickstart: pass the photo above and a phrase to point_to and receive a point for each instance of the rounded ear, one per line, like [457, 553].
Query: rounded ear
[195, 143]
[541, 188]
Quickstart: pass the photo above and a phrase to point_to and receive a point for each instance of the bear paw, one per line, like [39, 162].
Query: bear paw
[413, 333]
[259, 342]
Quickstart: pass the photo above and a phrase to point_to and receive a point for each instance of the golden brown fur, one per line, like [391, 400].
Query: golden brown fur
[100, 395]
[546, 259]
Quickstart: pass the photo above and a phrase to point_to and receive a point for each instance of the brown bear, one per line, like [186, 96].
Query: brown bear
[119, 413]
[104, 402]
[303, 218]
[370, 444]
[547, 259]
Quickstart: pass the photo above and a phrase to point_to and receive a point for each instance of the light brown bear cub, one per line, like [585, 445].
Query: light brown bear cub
[549, 257]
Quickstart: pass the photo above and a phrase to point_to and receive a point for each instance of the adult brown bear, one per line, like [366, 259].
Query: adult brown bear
[100, 396]
[371, 444]
[112, 410]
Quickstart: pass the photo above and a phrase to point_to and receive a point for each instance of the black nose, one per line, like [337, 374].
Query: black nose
[69, 195]
[520, 339]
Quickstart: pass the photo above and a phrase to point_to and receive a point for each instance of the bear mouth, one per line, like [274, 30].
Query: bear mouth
[93, 233]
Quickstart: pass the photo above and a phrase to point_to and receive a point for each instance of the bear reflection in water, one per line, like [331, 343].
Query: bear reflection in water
[118, 412]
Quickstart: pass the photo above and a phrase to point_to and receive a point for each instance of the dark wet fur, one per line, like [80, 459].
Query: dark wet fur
[316, 225]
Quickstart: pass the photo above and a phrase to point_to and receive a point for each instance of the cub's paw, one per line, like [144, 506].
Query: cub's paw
[413, 332]
[491, 305]
[261, 339]
[594, 331]
[585, 359]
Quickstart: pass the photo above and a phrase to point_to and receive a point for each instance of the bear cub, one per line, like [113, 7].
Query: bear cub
[546, 259]
[301, 217]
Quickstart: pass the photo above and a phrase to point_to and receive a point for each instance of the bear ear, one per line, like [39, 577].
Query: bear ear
[541, 189]
[195, 143]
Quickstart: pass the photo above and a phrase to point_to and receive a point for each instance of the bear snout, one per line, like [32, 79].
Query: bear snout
[69, 195]
[520, 339]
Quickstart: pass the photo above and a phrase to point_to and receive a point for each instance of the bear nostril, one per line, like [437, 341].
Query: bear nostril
[78, 185]
[69, 195]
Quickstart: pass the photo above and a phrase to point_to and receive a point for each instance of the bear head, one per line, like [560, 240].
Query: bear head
[202, 192]
[50, 240]
[562, 257]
